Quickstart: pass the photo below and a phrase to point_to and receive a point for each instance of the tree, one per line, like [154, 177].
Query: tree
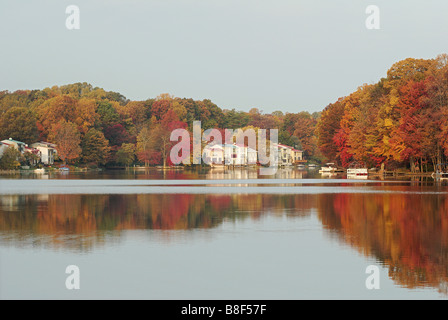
[67, 138]
[117, 135]
[54, 110]
[153, 142]
[144, 147]
[126, 154]
[95, 147]
[305, 127]
[108, 115]
[139, 112]
[10, 159]
[409, 68]
[19, 123]
[327, 127]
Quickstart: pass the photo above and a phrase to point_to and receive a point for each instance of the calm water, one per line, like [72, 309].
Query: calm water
[221, 235]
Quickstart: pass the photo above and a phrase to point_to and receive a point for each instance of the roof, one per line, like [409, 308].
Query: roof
[32, 150]
[43, 144]
[284, 146]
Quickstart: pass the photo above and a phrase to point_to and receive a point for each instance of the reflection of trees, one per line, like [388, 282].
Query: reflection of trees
[83, 220]
[406, 232]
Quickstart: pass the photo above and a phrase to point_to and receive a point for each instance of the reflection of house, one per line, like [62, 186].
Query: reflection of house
[47, 151]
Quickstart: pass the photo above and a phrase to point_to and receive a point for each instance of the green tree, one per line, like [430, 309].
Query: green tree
[126, 154]
[108, 115]
[10, 159]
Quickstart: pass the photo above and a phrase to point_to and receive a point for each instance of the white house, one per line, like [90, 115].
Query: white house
[213, 154]
[18, 145]
[252, 156]
[47, 151]
[235, 155]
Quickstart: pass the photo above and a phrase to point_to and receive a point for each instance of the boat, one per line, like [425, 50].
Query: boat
[330, 168]
[64, 169]
[439, 174]
[41, 170]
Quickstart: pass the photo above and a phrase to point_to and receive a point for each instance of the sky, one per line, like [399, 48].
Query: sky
[288, 55]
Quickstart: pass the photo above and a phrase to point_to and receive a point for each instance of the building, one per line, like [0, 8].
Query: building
[18, 145]
[234, 155]
[289, 156]
[23, 148]
[252, 156]
[36, 158]
[213, 154]
[297, 156]
[229, 155]
[47, 151]
[241, 155]
[284, 155]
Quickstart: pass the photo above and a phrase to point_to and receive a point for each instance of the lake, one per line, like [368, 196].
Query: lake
[222, 235]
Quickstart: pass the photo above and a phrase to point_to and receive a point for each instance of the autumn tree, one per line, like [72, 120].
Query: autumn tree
[95, 147]
[67, 138]
[327, 127]
[19, 123]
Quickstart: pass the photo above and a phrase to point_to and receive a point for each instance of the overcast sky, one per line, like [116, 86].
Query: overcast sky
[288, 55]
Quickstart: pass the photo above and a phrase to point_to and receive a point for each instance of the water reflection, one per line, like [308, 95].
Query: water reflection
[408, 233]
[152, 173]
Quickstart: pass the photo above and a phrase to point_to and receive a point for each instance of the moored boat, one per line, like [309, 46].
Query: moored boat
[330, 168]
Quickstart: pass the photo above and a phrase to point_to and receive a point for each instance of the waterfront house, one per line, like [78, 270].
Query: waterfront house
[251, 156]
[18, 145]
[213, 154]
[285, 157]
[37, 155]
[47, 151]
[234, 155]
[297, 156]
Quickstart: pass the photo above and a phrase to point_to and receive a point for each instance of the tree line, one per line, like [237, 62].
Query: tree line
[97, 127]
[400, 121]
